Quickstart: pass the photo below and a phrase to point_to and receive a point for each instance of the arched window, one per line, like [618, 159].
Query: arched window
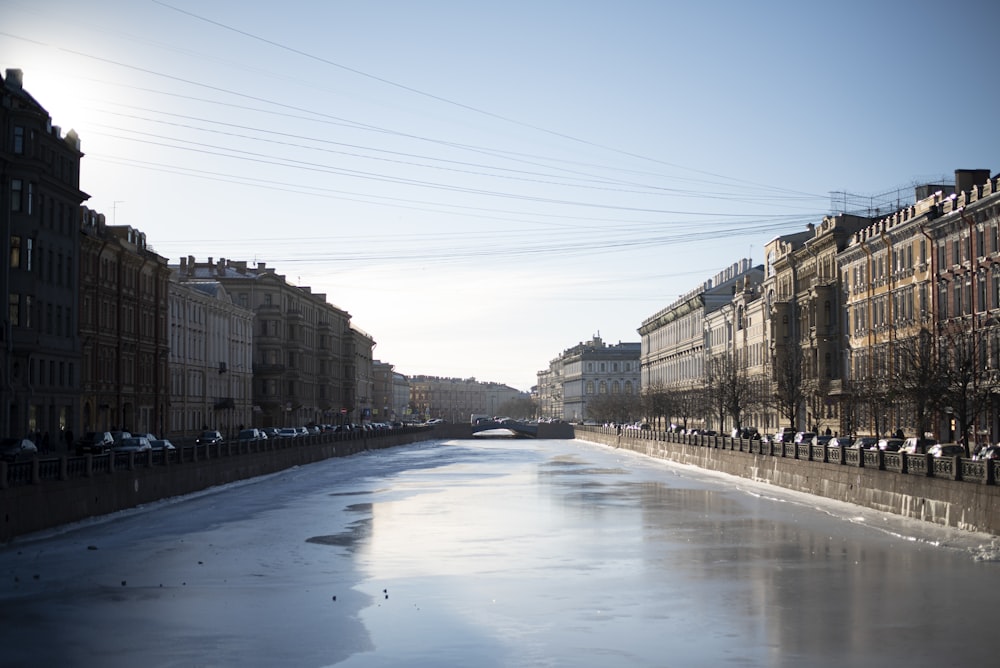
[615, 388]
[590, 387]
[602, 388]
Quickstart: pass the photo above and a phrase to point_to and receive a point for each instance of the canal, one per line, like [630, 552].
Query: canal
[499, 552]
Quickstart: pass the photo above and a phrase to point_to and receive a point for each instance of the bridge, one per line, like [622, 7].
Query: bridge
[517, 430]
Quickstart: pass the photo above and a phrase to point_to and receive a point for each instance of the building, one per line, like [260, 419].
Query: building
[392, 393]
[457, 399]
[737, 352]
[361, 366]
[584, 372]
[919, 283]
[548, 392]
[40, 357]
[123, 329]
[211, 359]
[806, 300]
[675, 341]
[304, 349]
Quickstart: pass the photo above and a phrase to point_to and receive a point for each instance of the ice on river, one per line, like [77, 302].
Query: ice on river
[498, 552]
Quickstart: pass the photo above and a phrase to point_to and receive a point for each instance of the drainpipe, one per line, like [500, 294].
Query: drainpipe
[974, 289]
[869, 324]
[932, 297]
[890, 314]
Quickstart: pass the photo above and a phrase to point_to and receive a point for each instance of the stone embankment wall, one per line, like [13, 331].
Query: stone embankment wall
[46, 493]
[967, 504]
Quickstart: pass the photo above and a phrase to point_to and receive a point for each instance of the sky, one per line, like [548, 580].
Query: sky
[484, 185]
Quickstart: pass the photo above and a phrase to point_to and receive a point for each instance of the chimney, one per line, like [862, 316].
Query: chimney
[15, 78]
[184, 265]
[967, 179]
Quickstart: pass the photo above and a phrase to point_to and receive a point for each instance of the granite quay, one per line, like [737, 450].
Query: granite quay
[950, 491]
[47, 492]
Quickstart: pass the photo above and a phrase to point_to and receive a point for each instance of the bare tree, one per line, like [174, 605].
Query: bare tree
[657, 403]
[618, 408]
[968, 386]
[789, 392]
[519, 407]
[918, 378]
[689, 404]
[876, 394]
[729, 389]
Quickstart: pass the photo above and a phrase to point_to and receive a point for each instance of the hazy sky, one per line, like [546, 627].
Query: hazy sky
[483, 185]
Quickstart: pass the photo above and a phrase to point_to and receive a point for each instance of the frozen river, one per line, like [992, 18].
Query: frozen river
[499, 553]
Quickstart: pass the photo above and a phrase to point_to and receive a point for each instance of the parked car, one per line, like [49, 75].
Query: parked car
[786, 435]
[133, 444]
[270, 432]
[946, 450]
[890, 444]
[13, 449]
[161, 444]
[865, 442]
[804, 437]
[988, 452]
[821, 439]
[840, 442]
[288, 432]
[302, 431]
[209, 437]
[94, 443]
[117, 436]
[251, 435]
[917, 446]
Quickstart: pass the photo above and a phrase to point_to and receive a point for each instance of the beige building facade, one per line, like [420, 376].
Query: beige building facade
[211, 359]
[304, 349]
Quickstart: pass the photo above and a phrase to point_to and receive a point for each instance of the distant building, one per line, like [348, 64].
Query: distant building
[585, 371]
[211, 359]
[456, 399]
[361, 366]
[392, 393]
[305, 360]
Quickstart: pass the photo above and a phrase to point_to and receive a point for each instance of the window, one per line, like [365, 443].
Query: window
[15, 252]
[18, 146]
[14, 309]
[16, 194]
